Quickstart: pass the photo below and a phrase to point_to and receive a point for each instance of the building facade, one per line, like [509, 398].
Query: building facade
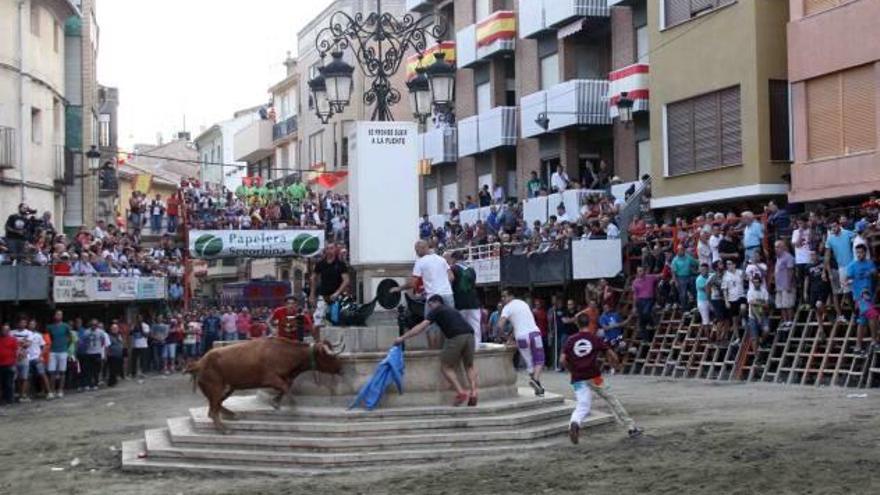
[833, 54]
[216, 148]
[108, 144]
[34, 61]
[719, 115]
[285, 132]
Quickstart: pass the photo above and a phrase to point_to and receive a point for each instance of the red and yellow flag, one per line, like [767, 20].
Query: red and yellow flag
[499, 26]
[413, 62]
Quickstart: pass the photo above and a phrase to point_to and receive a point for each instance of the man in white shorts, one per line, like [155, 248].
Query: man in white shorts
[435, 275]
[62, 336]
[527, 335]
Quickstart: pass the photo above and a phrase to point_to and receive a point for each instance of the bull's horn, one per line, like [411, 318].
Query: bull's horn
[340, 350]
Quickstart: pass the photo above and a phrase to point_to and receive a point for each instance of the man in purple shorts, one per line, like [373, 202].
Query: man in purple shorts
[527, 335]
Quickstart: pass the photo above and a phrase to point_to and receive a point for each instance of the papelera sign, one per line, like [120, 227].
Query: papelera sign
[210, 244]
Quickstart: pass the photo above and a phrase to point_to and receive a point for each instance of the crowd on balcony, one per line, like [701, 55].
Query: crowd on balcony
[505, 224]
[257, 205]
[105, 250]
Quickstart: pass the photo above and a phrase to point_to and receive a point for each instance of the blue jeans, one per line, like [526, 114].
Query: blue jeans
[208, 341]
[156, 223]
[645, 310]
[685, 285]
[172, 224]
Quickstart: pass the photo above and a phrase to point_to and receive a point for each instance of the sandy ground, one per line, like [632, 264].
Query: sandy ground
[701, 437]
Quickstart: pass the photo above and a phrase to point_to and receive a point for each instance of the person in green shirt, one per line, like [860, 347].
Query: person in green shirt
[241, 192]
[61, 334]
[297, 191]
[533, 186]
[684, 268]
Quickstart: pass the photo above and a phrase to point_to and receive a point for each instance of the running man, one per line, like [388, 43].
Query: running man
[580, 356]
[527, 335]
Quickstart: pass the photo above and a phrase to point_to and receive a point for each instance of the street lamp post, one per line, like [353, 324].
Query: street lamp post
[379, 42]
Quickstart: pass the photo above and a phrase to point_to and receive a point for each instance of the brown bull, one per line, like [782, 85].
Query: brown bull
[262, 363]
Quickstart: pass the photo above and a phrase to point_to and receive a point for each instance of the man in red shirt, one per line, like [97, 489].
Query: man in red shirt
[8, 354]
[172, 211]
[289, 322]
[580, 355]
[258, 328]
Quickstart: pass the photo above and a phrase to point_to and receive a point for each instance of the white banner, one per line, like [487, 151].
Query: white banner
[255, 243]
[596, 259]
[78, 289]
[488, 270]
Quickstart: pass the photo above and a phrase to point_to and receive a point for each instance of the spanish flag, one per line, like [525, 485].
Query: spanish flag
[499, 26]
[413, 62]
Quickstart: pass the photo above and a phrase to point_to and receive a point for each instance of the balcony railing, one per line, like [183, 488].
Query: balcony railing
[635, 80]
[7, 147]
[284, 128]
[537, 16]
[418, 5]
[58, 164]
[254, 142]
[24, 283]
[494, 35]
[486, 131]
[572, 103]
[440, 145]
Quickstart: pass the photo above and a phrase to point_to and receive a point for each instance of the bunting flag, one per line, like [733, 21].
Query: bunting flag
[635, 81]
[499, 26]
[413, 62]
[329, 180]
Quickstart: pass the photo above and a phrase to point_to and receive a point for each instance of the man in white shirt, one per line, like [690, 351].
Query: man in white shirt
[714, 241]
[31, 345]
[559, 180]
[528, 337]
[733, 286]
[432, 272]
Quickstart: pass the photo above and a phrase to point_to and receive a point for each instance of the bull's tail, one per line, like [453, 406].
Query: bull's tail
[193, 369]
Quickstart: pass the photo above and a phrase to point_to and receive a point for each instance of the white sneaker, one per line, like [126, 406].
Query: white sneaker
[50, 396]
[60, 395]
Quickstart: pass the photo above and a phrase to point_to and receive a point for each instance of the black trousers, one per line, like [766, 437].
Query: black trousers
[138, 358]
[92, 370]
[114, 367]
[7, 384]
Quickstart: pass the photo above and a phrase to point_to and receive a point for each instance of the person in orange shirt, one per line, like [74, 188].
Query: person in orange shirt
[289, 322]
[592, 312]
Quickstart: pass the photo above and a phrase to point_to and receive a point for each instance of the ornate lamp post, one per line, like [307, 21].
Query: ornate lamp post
[379, 43]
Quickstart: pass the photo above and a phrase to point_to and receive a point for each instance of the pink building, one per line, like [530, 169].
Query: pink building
[833, 55]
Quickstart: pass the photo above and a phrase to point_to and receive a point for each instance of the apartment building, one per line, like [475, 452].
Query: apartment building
[718, 101]
[108, 145]
[216, 148]
[34, 62]
[285, 102]
[537, 87]
[833, 54]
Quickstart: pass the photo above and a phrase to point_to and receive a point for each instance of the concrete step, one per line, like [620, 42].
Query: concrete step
[331, 426]
[160, 447]
[183, 433]
[252, 407]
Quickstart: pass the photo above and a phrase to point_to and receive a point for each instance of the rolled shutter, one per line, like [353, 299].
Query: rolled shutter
[824, 117]
[815, 6]
[698, 6]
[707, 145]
[731, 127]
[779, 121]
[677, 11]
[680, 127]
[859, 109]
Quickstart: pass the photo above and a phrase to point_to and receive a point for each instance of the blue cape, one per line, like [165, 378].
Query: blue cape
[390, 369]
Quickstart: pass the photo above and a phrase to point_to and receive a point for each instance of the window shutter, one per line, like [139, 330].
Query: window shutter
[707, 146]
[680, 127]
[731, 127]
[859, 111]
[677, 11]
[814, 6]
[824, 117]
[698, 6]
[779, 121]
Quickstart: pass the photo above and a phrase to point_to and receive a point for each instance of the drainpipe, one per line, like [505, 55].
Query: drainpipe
[21, 103]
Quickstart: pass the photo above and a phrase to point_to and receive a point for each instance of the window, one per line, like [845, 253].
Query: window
[35, 20]
[450, 195]
[285, 158]
[316, 148]
[56, 37]
[816, 6]
[485, 180]
[36, 125]
[841, 113]
[484, 97]
[104, 130]
[704, 132]
[431, 201]
[549, 71]
[678, 11]
[642, 47]
[779, 121]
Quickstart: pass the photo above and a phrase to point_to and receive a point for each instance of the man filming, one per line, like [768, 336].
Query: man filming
[289, 322]
[18, 229]
[329, 280]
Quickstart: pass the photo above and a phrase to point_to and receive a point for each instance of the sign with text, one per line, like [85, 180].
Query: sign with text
[77, 289]
[206, 244]
[384, 192]
[488, 270]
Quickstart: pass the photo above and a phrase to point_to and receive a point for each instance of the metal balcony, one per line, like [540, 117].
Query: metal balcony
[440, 145]
[487, 131]
[538, 16]
[7, 147]
[578, 102]
[254, 142]
[492, 36]
[284, 128]
[418, 5]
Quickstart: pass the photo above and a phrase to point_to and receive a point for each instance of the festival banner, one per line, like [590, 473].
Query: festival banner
[86, 289]
[499, 26]
[210, 244]
[414, 61]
